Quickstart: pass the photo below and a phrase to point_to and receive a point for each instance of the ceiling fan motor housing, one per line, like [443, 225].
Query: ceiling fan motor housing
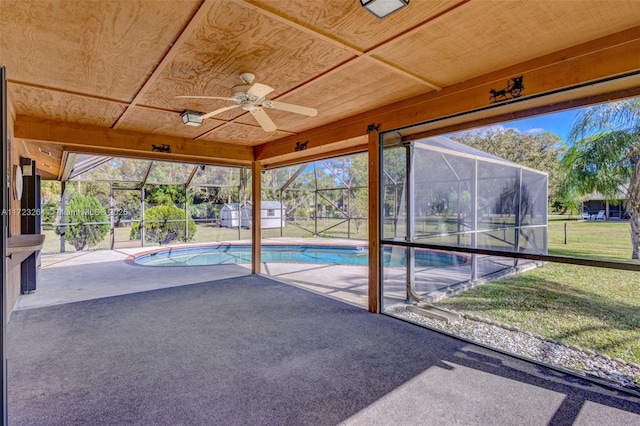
[247, 105]
[240, 93]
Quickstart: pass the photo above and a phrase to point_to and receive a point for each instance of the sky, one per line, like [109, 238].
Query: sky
[558, 123]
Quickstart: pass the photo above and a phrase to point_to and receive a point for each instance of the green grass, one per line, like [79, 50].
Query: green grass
[593, 308]
[607, 240]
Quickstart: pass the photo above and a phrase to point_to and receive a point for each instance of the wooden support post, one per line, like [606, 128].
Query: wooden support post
[374, 219]
[256, 229]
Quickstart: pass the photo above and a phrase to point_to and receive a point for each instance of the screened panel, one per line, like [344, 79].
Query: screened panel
[169, 173]
[116, 170]
[216, 176]
[534, 196]
[435, 273]
[454, 195]
[393, 187]
[498, 195]
[533, 240]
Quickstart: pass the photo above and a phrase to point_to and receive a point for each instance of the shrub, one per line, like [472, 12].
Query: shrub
[159, 226]
[50, 212]
[84, 211]
[200, 211]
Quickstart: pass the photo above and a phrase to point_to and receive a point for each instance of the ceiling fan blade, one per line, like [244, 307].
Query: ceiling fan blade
[260, 90]
[218, 111]
[207, 97]
[311, 112]
[263, 119]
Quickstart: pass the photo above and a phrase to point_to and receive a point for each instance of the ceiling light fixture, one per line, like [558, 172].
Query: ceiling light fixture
[383, 8]
[191, 118]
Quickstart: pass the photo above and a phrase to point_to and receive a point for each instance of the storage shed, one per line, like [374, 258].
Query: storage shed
[230, 215]
[272, 214]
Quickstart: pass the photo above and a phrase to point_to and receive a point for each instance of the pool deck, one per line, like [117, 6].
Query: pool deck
[77, 276]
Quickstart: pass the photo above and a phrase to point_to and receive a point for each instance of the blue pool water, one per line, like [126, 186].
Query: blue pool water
[231, 254]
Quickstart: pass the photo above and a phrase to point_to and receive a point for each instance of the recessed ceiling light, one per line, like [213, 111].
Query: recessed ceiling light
[383, 8]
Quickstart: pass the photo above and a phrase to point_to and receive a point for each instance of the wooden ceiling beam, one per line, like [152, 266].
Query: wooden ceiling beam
[98, 140]
[396, 69]
[336, 149]
[301, 27]
[457, 125]
[358, 53]
[66, 92]
[410, 31]
[348, 47]
[188, 30]
[588, 63]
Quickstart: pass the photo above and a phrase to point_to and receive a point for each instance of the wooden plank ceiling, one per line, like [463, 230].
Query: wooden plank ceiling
[119, 65]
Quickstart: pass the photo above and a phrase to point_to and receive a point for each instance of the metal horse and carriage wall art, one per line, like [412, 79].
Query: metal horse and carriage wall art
[514, 89]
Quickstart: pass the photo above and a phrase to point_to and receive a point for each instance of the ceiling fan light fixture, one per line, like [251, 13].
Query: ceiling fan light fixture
[383, 8]
[249, 97]
[191, 118]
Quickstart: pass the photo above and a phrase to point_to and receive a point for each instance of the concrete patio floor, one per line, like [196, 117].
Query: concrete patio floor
[99, 275]
[251, 350]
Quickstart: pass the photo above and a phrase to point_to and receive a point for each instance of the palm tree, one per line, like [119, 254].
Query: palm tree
[604, 156]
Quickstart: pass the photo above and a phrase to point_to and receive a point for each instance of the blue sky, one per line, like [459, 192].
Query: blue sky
[557, 123]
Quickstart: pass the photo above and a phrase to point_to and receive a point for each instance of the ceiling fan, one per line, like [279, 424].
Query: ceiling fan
[251, 97]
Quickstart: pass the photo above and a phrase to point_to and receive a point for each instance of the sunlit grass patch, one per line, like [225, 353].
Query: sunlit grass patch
[593, 308]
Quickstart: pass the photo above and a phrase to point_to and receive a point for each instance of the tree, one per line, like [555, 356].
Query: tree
[165, 195]
[84, 211]
[164, 224]
[539, 151]
[604, 157]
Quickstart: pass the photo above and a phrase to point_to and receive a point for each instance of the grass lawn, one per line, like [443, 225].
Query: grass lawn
[592, 308]
[609, 240]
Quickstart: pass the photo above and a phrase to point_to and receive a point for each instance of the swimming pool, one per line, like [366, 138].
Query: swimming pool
[232, 254]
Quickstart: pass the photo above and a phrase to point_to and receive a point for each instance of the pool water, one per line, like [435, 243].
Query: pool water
[232, 254]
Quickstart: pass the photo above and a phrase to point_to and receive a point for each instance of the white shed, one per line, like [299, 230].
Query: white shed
[272, 215]
[230, 215]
